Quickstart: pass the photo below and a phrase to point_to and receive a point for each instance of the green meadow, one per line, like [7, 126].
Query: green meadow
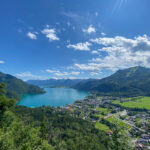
[119, 122]
[138, 102]
[101, 126]
[99, 115]
[105, 111]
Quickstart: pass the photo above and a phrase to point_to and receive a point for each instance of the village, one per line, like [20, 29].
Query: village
[104, 113]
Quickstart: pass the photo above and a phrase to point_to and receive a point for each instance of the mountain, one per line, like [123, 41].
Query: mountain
[128, 82]
[58, 82]
[16, 87]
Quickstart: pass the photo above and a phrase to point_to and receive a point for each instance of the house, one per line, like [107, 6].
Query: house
[124, 113]
[139, 146]
[145, 136]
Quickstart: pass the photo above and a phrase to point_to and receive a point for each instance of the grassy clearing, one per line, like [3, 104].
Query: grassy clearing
[99, 115]
[99, 97]
[117, 121]
[105, 111]
[101, 126]
[139, 102]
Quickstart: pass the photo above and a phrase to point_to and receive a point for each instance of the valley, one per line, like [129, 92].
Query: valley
[74, 75]
[105, 113]
[117, 119]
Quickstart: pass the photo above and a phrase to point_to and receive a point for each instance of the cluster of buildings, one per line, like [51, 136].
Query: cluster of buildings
[139, 121]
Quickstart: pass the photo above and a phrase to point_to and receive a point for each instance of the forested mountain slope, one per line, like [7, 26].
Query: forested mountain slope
[16, 87]
[47, 128]
[128, 82]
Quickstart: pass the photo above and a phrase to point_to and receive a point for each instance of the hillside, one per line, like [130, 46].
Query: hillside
[58, 82]
[16, 87]
[128, 82]
[49, 128]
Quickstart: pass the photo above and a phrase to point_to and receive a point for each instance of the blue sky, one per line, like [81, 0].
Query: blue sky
[42, 39]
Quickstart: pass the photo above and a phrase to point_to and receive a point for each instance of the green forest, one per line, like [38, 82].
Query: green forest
[129, 82]
[15, 87]
[45, 128]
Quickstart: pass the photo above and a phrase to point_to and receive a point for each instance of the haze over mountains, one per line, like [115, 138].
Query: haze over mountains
[58, 82]
[128, 82]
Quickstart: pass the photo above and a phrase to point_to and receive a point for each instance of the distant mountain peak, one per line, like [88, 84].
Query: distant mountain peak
[132, 81]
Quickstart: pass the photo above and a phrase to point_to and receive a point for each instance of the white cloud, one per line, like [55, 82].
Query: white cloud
[47, 26]
[66, 73]
[98, 65]
[75, 73]
[119, 41]
[87, 67]
[95, 52]
[90, 30]
[32, 35]
[122, 44]
[68, 41]
[103, 33]
[50, 34]
[121, 52]
[80, 46]
[51, 71]
[62, 73]
[95, 73]
[2, 62]
[25, 74]
[29, 75]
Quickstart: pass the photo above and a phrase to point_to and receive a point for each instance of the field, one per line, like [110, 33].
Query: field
[105, 111]
[114, 120]
[101, 126]
[99, 115]
[141, 103]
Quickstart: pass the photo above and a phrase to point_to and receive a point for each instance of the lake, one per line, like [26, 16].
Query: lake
[53, 97]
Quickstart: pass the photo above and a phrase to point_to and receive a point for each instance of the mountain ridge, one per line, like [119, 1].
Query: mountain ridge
[132, 81]
[15, 87]
[128, 82]
[57, 82]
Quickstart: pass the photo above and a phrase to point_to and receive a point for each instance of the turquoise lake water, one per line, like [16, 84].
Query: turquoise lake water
[53, 97]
